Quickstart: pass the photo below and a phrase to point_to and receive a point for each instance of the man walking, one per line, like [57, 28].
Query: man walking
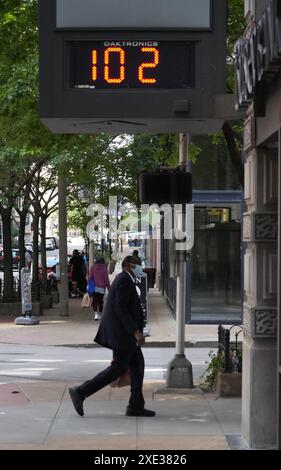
[120, 330]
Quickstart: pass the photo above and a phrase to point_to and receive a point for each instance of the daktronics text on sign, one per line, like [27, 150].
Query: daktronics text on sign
[119, 66]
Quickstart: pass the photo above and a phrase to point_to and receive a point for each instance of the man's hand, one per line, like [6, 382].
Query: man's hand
[140, 338]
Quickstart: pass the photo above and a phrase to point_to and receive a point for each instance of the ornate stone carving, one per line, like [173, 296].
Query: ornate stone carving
[266, 323]
[266, 227]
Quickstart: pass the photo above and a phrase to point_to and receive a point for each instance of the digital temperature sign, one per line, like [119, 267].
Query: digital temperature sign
[131, 64]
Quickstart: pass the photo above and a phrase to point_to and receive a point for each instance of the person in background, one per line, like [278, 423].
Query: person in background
[136, 256]
[86, 264]
[121, 329]
[78, 272]
[72, 286]
[99, 273]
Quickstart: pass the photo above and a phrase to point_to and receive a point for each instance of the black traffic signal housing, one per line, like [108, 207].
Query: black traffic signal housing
[165, 186]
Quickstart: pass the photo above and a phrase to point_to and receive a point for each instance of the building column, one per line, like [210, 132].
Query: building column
[279, 299]
[259, 399]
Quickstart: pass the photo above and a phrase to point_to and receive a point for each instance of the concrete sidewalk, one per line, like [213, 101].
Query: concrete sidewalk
[79, 328]
[39, 415]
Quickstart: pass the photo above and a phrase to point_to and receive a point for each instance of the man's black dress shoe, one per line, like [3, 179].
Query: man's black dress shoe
[77, 400]
[142, 412]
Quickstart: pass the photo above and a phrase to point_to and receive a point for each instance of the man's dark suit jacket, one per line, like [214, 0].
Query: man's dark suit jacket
[122, 315]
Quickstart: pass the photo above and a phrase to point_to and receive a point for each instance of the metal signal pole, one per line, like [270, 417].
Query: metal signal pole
[179, 371]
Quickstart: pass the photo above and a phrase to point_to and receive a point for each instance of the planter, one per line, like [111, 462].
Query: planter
[229, 384]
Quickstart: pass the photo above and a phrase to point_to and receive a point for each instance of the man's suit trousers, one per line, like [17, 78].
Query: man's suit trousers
[122, 361]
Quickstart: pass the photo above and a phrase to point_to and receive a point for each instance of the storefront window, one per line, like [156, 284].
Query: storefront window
[216, 264]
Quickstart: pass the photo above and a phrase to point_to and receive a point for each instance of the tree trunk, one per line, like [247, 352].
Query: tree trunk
[62, 196]
[35, 264]
[234, 153]
[116, 246]
[8, 292]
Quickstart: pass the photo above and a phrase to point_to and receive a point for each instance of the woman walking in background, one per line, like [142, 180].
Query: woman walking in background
[99, 273]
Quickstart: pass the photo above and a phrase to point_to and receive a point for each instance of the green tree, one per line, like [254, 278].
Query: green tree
[16, 174]
[24, 141]
[232, 132]
[100, 165]
[77, 217]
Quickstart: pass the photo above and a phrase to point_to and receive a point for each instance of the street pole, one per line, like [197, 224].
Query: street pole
[91, 240]
[179, 370]
[64, 293]
[91, 254]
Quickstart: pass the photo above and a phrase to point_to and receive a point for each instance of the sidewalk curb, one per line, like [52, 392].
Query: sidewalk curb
[153, 344]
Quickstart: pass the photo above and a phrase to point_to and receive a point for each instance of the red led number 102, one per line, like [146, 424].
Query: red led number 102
[122, 63]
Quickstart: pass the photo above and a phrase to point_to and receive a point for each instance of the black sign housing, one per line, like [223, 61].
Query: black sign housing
[131, 79]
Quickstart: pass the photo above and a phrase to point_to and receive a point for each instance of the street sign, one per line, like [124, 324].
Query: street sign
[169, 186]
[26, 302]
[130, 66]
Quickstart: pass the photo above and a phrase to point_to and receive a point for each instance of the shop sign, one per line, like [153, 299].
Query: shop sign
[258, 57]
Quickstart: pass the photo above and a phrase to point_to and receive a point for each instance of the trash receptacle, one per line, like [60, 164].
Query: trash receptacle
[151, 274]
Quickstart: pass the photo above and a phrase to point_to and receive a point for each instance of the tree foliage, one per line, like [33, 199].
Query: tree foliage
[95, 166]
[235, 29]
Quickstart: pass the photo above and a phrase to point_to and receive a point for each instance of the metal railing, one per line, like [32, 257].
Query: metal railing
[16, 288]
[231, 352]
[37, 289]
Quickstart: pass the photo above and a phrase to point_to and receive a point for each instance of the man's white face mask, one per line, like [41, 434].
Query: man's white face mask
[137, 270]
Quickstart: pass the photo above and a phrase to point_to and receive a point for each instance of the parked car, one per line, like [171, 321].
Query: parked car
[49, 244]
[54, 240]
[15, 257]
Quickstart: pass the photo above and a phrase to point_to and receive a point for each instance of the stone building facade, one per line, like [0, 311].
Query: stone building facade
[258, 77]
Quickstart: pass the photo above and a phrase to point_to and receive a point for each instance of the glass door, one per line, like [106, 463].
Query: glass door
[216, 264]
